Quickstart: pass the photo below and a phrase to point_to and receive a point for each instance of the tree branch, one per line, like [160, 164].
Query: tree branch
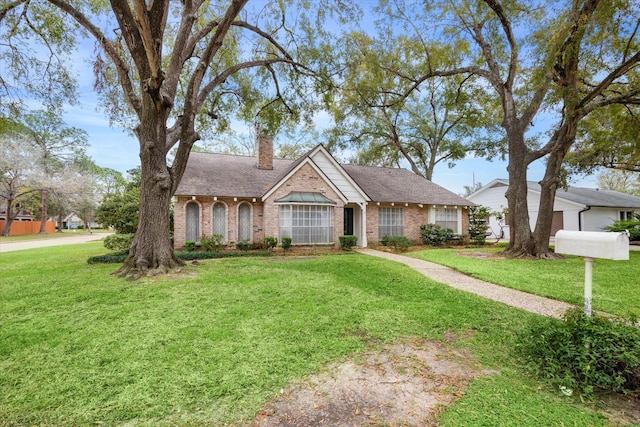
[192, 98]
[132, 36]
[151, 31]
[220, 78]
[109, 47]
[609, 79]
[10, 6]
[506, 27]
[264, 35]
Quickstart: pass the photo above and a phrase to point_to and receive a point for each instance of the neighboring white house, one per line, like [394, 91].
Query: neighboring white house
[577, 208]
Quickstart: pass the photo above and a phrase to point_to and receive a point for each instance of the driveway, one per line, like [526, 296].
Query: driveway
[58, 241]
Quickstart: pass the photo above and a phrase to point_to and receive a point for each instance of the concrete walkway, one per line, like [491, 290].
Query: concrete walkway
[455, 279]
[58, 241]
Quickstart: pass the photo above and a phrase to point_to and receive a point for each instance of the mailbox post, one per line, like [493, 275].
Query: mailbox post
[591, 245]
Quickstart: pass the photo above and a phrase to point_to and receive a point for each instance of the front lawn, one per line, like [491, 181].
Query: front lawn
[616, 284]
[211, 345]
[56, 235]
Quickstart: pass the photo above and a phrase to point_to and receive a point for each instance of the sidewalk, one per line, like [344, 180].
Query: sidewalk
[58, 241]
[525, 301]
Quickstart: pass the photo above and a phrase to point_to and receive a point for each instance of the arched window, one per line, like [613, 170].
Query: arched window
[193, 222]
[244, 222]
[220, 220]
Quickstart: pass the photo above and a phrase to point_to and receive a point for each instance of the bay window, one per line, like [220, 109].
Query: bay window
[306, 224]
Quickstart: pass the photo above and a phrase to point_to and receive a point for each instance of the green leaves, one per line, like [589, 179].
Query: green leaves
[608, 138]
[391, 112]
[584, 353]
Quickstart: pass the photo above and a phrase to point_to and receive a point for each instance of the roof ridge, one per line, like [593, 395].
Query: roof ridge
[243, 156]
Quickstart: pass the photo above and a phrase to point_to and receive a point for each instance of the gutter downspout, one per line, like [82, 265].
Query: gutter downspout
[580, 217]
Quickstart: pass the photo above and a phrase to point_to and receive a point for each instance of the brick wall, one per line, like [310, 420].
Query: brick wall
[265, 216]
[264, 151]
[306, 179]
[414, 217]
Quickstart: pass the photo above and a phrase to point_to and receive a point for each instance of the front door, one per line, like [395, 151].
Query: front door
[348, 221]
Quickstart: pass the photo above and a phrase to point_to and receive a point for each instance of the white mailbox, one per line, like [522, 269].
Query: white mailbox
[593, 244]
[590, 245]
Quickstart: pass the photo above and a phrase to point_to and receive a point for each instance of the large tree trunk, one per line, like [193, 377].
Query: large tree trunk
[563, 139]
[151, 252]
[548, 188]
[45, 208]
[520, 237]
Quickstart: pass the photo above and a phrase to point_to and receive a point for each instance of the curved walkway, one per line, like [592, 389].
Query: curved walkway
[439, 273]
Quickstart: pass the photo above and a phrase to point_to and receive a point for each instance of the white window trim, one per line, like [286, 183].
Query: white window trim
[432, 215]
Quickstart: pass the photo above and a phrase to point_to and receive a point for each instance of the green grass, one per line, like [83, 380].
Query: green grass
[615, 283]
[211, 346]
[61, 235]
[507, 400]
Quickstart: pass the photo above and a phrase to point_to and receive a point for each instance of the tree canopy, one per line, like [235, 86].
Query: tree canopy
[59, 147]
[43, 162]
[557, 62]
[391, 119]
[173, 71]
[553, 77]
[608, 139]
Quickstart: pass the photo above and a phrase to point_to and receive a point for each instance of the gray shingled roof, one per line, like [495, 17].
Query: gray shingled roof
[224, 175]
[594, 197]
[401, 186]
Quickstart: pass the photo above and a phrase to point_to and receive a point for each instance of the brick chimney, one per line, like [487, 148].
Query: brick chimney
[264, 151]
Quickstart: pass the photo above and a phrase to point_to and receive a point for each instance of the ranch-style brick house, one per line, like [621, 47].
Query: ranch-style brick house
[313, 200]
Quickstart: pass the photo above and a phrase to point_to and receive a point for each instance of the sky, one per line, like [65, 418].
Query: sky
[118, 149]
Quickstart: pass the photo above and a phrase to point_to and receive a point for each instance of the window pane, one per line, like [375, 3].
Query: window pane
[220, 219]
[306, 224]
[390, 222]
[193, 222]
[244, 223]
[447, 218]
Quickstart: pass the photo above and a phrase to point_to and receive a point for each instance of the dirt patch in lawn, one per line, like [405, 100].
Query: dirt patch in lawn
[481, 255]
[405, 384]
[620, 409]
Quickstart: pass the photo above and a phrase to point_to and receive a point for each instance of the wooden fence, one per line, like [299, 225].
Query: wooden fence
[27, 227]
